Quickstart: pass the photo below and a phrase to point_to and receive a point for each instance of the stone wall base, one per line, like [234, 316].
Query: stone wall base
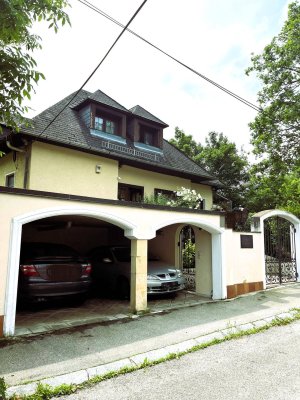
[243, 288]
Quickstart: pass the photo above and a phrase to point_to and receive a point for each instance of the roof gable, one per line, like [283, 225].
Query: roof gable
[141, 112]
[101, 97]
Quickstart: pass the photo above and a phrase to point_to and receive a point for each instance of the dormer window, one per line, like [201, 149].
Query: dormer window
[148, 135]
[109, 125]
[106, 124]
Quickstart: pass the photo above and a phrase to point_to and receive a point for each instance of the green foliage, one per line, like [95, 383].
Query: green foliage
[159, 200]
[275, 179]
[18, 73]
[289, 192]
[183, 197]
[3, 388]
[188, 254]
[263, 187]
[221, 158]
[185, 143]
[271, 188]
[275, 130]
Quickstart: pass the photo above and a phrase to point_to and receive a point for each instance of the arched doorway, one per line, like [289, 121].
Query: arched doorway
[187, 256]
[45, 216]
[280, 251]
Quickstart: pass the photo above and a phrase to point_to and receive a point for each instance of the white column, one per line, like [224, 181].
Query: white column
[12, 279]
[138, 287]
[218, 267]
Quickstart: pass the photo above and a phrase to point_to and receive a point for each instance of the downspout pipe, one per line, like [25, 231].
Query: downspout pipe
[10, 146]
[27, 156]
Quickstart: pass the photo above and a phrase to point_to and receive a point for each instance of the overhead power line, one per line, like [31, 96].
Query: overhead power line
[97, 67]
[229, 92]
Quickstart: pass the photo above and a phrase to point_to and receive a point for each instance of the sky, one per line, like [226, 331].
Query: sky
[214, 37]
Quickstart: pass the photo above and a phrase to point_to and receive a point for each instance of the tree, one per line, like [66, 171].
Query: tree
[222, 159]
[289, 192]
[17, 66]
[185, 143]
[275, 130]
[263, 187]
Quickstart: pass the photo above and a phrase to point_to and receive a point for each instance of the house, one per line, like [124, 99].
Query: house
[114, 153]
[81, 180]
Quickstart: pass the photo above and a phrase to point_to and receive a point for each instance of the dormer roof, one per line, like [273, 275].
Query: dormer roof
[99, 97]
[141, 112]
[69, 130]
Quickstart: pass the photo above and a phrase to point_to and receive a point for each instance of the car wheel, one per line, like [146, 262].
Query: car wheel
[123, 288]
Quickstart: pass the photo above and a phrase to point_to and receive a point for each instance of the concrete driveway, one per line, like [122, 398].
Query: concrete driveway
[57, 315]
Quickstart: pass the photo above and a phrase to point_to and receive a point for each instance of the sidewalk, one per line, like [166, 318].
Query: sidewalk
[76, 354]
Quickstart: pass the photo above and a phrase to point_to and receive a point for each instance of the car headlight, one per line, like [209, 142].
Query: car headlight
[179, 273]
[152, 278]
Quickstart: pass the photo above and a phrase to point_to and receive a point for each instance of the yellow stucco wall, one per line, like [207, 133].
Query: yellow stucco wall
[203, 262]
[206, 193]
[57, 169]
[8, 166]
[165, 244]
[243, 265]
[153, 180]
[150, 180]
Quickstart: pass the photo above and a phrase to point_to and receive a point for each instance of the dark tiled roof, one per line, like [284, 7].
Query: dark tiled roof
[101, 97]
[141, 112]
[69, 130]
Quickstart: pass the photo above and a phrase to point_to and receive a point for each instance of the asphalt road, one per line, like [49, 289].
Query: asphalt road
[262, 366]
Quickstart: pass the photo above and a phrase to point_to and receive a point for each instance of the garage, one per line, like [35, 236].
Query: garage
[46, 312]
[84, 225]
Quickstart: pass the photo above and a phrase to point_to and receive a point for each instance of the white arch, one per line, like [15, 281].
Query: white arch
[15, 245]
[262, 215]
[257, 225]
[70, 210]
[132, 231]
[189, 220]
[217, 249]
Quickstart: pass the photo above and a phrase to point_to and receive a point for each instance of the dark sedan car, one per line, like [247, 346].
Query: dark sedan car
[50, 270]
[112, 270]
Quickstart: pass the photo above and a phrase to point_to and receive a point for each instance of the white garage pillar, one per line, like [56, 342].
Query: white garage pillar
[138, 287]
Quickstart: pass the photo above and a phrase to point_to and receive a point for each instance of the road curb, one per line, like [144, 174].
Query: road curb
[84, 375]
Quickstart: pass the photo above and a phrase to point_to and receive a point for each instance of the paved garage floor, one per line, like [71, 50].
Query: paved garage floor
[44, 318]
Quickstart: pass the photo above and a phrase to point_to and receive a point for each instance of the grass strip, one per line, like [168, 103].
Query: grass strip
[46, 392]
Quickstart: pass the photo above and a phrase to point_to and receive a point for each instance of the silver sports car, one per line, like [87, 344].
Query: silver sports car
[111, 269]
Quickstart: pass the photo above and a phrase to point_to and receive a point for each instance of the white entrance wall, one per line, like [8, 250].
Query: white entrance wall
[245, 263]
[138, 223]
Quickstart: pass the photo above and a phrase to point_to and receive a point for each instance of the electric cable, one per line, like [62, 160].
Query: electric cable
[90, 76]
[229, 92]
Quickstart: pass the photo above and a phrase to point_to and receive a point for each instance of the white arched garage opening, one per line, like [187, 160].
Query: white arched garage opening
[132, 230]
[15, 245]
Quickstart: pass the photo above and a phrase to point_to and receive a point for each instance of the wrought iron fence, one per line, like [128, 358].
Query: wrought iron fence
[280, 251]
[190, 275]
